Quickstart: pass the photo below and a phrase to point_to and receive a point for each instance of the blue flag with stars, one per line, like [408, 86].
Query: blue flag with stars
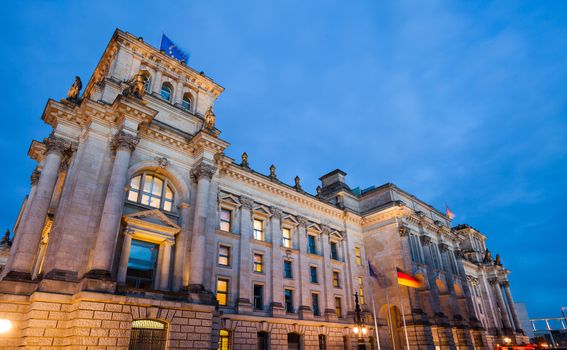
[172, 50]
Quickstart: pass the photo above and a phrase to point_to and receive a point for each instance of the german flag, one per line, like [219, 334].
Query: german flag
[408, 280]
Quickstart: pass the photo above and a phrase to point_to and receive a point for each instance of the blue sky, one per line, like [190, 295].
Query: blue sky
[461, 102]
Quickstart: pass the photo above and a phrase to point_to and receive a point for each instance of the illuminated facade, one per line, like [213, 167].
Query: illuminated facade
[139, 228]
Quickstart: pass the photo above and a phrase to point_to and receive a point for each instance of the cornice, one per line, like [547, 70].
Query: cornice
[56, 112]
[37, 150]
[133, 109]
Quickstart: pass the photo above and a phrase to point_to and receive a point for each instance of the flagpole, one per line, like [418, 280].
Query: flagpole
[375, 321]
[390, 320]
[413, 319]
[403, 316]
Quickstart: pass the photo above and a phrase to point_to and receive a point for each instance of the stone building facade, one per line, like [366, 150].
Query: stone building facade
[139, 228]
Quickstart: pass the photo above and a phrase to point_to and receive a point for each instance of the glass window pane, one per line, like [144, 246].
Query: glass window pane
[157, 187]
[133, 196]
[155, 202]
[135, 182]
[258, 224]
[168, 193]
[167, 205]
[147, 183]
[145, 199]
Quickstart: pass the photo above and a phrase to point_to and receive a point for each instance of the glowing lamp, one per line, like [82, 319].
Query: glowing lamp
[364, 330]
[5, 325]
[507, 340]
[356, 330]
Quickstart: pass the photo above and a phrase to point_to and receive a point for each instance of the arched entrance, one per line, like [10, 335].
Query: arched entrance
[394, 332]
[147, 335]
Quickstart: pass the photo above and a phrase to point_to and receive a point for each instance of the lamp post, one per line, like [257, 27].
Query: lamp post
[359, 328]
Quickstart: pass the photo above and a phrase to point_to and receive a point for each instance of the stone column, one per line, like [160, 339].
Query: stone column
[180, 268]
[304, 305]
[165, 263]
[124, 257]
[277, 263]
[501, 303]
[30, 231]
[328, 288]
[202, 173]
[512, 306]
[244, 303]
[124, 145]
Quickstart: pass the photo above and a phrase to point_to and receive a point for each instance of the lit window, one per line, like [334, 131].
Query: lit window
[258, 263]
[150, 190]
[360, 291]
[258, 297]
[142, 264]
[147, 334]
[313, 274]
[357, 256]
[311, 244]
[258, 230]
[287, 269]
[288, 300]
[224, 340]
[224, 255]
[315, 304]
[165, 92]
[225, 219]
[222, 291]
[286, 237]
[338, 308]
[186, 102]
[334, 251]
[336, 281]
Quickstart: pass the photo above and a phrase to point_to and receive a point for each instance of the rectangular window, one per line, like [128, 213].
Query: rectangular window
[315, 304]
[360, 291]
[313, 274]
[224, 255]
[142, 264]
[258, 297]
[357, 256]
[334, 251]
[224, 340]
[286, 237]
[338, 308]
[258, 230]
[336, 279]
[288, 273]
[225, 220]
[258, 263]
[222, 291]
[311, 249]
[288, 300]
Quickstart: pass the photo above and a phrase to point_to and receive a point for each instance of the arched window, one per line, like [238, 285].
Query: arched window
[187, 101]
[151, 190]
[166, 91]
[147, 334]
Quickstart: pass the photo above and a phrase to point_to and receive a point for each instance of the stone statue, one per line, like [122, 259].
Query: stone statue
[244, 163]
[487, 256]
[6, 239]
[318, 189]
[210, 119]
[272, 172]
[497, 260]
[297, 183]
[136, 86]
[74, 90]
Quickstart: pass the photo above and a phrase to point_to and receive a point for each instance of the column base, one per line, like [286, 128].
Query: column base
[305, 312]
[243, 306]
[277, 309]
[17, 276]
[19, 287]
[330, 315]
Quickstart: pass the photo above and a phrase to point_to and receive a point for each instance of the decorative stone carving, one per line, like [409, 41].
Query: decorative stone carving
[136, 86]
[210, 119]
[403, 230]
[443, 247]
[458, 253]
[162, 162]
[297, 185]
[75, 90]
[493, 281]
[303, 221]
[273, 172]
[487, 257]
[276, 212]
[244, 162]
[425, 240]
[497, 261]
[325, 230]
[169, 241]
[438, 223]
[35, 177]
[420, 214]
[505, 284]
[203, 170]
[57, 144]
[124, 141]
[318, 189]
[247, 202]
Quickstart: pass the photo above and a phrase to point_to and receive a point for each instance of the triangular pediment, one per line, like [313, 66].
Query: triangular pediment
[290, 219]
[229, 199]
[154, 216]
[314, 227]
[262, 209]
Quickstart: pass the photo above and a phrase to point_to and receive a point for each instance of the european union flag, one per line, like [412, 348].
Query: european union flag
[172, 50]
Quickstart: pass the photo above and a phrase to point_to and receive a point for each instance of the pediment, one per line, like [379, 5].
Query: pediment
[229, 199]
[290, 219]
[314, 227]
[262, 209]
[337, 235]
[153, 216]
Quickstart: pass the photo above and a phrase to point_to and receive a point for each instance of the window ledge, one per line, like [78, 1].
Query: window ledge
[264, 243]
[227, 234]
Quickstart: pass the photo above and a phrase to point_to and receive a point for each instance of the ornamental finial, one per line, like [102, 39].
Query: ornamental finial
[297, 183]
[273, 172]
[244, 163]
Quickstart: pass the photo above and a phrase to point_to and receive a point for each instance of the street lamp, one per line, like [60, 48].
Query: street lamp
[507, 340]
[359, 326]
[5, 325]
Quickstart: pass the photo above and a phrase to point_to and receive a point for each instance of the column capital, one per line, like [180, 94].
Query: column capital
[505, 284]
[425, 240]
[129, 232]
[403, 230]
[443, 247]
[325, 230]
[55, 144]
[34, 178]
[202, 170]
[303, 221]
[493, 281]
[169, 241]
[124, 141]
[276, 213]
[247, 202]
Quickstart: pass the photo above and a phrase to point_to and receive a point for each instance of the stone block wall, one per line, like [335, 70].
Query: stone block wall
[98, 321]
